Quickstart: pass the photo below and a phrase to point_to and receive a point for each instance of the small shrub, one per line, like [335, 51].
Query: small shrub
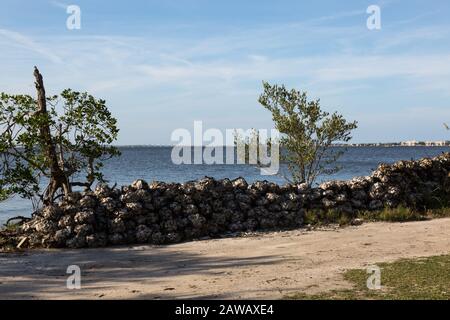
[307, 132]
[332, 216]
[344, 220]
[399, 214]
[311, 217]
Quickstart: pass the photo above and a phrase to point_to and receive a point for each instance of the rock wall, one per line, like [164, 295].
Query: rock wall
[171, 212]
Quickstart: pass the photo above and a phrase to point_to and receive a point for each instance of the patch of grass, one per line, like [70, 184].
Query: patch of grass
[8, 237]
[344, 220]
[319, 217]
[407, 279]
[311, 217]
[399, 214]
[438, 212]
[332, 216]
[437, 199]
[6, 244]
[11, 227]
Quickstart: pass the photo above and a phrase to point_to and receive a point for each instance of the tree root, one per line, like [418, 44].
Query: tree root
[21, 218]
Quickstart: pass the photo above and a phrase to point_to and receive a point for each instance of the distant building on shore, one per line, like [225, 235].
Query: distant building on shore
[437, 143]
[412, 143]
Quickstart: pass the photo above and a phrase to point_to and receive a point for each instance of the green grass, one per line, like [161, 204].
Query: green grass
[408, 279]
[321, 217]
[7, 237]
[398, 214]
[11, 227]
[5, 244]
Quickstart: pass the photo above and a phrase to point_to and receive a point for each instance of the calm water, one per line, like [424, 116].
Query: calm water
[154, 163]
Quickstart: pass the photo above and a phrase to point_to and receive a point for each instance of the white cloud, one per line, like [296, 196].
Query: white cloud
[59, 4]
[28, 44]
[217, 77]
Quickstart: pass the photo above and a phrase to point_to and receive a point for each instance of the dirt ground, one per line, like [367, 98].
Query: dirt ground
[265, 266]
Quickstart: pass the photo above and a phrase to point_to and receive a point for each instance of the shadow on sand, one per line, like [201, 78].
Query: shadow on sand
[42, 274]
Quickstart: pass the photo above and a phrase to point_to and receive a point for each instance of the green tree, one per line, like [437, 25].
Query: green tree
[4, 194]
[307, 132]
[63, 139]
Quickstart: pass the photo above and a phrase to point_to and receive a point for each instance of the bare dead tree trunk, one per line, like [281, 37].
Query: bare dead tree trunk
[58, 179]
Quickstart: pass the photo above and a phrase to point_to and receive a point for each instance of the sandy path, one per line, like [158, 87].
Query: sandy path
[266, 266]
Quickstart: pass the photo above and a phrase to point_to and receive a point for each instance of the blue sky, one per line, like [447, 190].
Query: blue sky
[163, 64]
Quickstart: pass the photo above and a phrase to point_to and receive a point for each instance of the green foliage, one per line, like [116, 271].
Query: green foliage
[399, 214]
[307, 131]
[81, 127]
[312, 217]
[4, 194]
[318, 217]
[19, 127]
[406, 279]
[404, 214]
[86, 131]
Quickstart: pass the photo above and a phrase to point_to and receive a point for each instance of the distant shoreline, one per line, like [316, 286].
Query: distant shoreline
[356, 145]
[389, 145]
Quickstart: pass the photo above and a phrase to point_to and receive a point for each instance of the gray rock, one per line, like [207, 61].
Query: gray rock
[88, 202]
[172, 212]
[76, 242]
[61, 236]
[375, 205]
[341, 198]
[84, 230]
[197, 220]
[240, 183]
[328, 204]
[45, 226]
[134, 208]
[102, 190]
[116, 238]
[303, 188]
[51, 213]
[143, 234]
[140, 185]
[376, 191]
[110, 204]
[66, 221]
[85, 217]
[272, 197]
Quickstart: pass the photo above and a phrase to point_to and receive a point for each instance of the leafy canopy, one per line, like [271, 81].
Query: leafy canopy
[308, 132]
[82, 130]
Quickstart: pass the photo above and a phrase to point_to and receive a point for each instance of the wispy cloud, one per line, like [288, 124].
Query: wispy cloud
[415, 37]
[28, 43]
[211, 75]
[253, 55]
[59, 4]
